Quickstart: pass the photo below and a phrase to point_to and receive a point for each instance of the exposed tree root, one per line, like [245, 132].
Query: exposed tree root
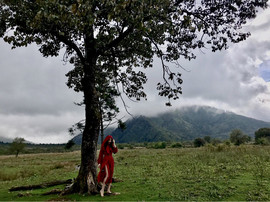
[73, 188]
[54, 191]
[40, 186]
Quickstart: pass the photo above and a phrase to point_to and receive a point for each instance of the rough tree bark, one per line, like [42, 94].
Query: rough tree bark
[86, 180]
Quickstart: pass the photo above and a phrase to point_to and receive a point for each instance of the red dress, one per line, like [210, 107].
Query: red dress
[105, 159]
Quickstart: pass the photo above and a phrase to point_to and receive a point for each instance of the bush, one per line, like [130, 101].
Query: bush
[199, 142]
[237, 137]
[227, 142]
[221, 147]
[130, 146]
[69, 144]
[177, 145]
[262, 133]
[207, 139]
[263, 141]
[210, 148]
[120, 146]
[145, 144]
[160, 145]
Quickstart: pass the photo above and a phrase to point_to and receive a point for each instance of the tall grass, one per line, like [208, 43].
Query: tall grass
[226, 173]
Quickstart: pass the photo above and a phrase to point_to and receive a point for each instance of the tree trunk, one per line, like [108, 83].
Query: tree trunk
[101, 126]
[86, 181]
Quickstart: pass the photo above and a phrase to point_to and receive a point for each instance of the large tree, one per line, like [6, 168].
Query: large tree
[237, 137]
[262, 133]
[107, 40]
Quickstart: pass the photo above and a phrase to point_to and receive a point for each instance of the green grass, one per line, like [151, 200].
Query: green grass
[182, 174]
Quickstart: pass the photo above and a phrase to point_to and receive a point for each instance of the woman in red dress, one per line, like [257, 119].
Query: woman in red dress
[106, 163]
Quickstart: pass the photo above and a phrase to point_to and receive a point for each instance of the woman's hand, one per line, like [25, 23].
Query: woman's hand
[98, 165]
[114, 143]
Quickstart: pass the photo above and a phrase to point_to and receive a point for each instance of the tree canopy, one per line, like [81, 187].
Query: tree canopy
[237, 137]
[126, 34]
[17, 145]
[262, 133]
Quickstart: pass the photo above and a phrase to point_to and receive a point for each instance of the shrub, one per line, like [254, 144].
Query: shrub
[262, 133]
[120, 146]
[69, 144]
[199, 142]
[237, 137]
[130, 146]
[221, 147]
[207, 139]
[263, 141]
[210, 148]
[177, 145]
[160, 145]
[227, 142]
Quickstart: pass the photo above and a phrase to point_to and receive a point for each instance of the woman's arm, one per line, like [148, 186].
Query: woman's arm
[115, 149]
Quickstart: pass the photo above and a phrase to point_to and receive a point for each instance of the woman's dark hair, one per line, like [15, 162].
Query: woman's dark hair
[107, 143]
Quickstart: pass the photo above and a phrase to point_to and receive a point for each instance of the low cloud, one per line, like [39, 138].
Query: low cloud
[38, 128]
[35, 102]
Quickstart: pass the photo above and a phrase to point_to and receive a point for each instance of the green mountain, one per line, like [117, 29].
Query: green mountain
[186, 123]
[78, 138]
[9, 140]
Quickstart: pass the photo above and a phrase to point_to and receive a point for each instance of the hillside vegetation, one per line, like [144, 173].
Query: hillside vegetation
[223, 173]
[184, 124]
[187, 124]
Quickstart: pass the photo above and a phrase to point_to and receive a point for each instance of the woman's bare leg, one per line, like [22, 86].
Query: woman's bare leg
[104, 182]
[109, 188]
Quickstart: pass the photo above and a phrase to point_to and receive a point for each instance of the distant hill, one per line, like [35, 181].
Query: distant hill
[78, 138]
[186, 123]
[9, 140]
[5, 139]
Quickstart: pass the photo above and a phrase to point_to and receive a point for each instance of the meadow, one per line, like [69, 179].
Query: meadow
[210, 173]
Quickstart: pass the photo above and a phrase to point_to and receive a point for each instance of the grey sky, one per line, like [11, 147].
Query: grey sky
[36, 104]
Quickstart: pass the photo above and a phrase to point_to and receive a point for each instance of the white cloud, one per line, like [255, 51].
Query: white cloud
[38, 128]
[35, 102]
[229, 79]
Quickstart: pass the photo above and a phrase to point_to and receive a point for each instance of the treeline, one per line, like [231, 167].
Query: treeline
[17, 148]
[236, 137]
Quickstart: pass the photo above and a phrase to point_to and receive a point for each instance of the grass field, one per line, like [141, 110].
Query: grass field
[205, 174]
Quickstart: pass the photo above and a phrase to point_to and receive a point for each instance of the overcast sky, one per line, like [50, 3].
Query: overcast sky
[36, 104]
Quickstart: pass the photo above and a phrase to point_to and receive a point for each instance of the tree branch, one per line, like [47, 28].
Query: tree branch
[117, 40]
[70, 44]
